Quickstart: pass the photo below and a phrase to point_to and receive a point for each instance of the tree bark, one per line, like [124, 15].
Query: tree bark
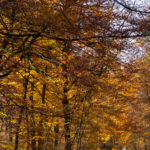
[25, 85]
[66, 109]
[33, 129]
[56, 130]
[18, 128]
[41, 142]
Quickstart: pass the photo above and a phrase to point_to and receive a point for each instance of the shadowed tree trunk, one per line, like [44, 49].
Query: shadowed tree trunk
[56, 130]
[18, 128]
[21, 114]
[65, 101]
[41, 142]
[33, 129]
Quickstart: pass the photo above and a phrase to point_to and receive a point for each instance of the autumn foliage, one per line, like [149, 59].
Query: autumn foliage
[74, 75]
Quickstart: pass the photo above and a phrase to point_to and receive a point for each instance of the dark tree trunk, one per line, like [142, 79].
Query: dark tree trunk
[25, 85]
[56, 130]
[33, 129]
[18, 128]
[66, 109]
[41, 142]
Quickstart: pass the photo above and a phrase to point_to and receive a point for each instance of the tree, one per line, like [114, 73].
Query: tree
[60, 67]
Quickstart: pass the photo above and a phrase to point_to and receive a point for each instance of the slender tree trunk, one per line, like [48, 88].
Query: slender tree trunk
[56, 130]
[41, 142]
[65, 101]
[28, 132]
[33, 129]
[21, 114]
[10, 132]
[10, 135]
[18, 128]
[66, 109]
[33, 142]
[67, 123]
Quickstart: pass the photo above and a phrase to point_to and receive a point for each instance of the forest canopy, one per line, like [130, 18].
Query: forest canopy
[74, 75]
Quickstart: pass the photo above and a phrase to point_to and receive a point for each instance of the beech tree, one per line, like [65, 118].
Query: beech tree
[62, 85]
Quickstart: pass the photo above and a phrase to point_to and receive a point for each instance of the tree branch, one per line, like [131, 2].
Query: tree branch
[130, 8]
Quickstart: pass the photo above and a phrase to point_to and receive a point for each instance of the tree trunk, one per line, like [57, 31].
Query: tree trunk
[56, 130]
[33, 129]
[66, 110]
[18, 128]
[65, 101]
[67, 125]
[25, 85]
[41, 142]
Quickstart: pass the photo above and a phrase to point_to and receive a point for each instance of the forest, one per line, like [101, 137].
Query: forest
[74, 75]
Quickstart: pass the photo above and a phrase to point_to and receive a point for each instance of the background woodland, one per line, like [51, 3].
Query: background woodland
[74, 75]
